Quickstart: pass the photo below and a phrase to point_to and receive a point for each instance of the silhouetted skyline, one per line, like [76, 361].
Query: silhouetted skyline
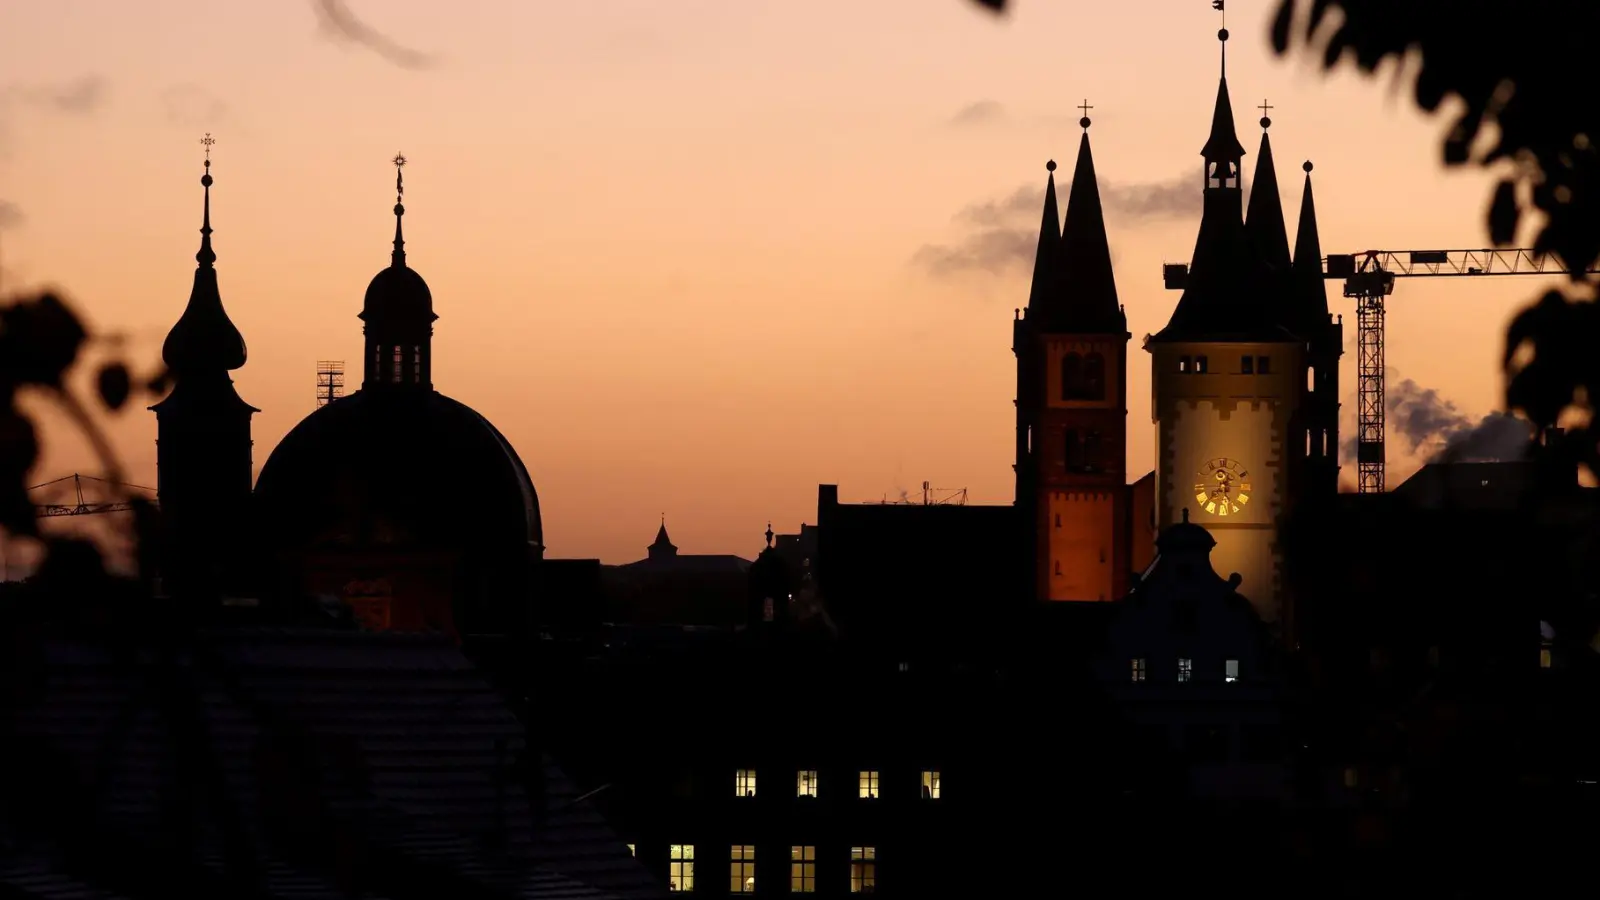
[770, 329]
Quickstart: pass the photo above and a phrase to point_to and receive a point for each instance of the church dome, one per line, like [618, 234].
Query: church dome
[398, 293]
[405, 469]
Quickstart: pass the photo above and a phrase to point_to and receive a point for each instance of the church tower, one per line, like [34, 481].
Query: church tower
[1228, 376]
[1071, 345]
[203, 445]
[399, 316]
[1325, 344]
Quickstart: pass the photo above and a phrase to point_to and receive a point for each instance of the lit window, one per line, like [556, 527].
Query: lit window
[1350, 777]
[633, 850]
[863, 870]
[742, 870]
[869, 784]
[399, 358]
[806, 783]
[802, 870]
[744, 783]
[1183, 364]
[930, 784]
[1138, 670]
[1230, 671]
[1544, 657]
[1185, 669]
[1200, 364]
[682, 869]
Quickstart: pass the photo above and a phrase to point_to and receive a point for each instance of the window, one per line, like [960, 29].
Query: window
[1185, 669]
[742, 870]
[633, 850]
[1138, 670]
[930, 784]
[1094, 377]
[1244, 365]
[1200, 365]
[744, 783]
[399, 358]
[1071, 376]
[681, 870]
[1263, 365]
[1092, 454]
[806, 783]
[1230, 671]
[1183, 364]
[1058, 567]
[1311, 379]
[1308, 443]
[863, 870]
[416, 364]
[869, 784]
[1544, 657]
[1351, 777]
[1072, 449]
[802, 870]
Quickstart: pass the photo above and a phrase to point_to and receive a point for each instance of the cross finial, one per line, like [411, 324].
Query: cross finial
[1266, 121]
[206, 142]
[1085, 107]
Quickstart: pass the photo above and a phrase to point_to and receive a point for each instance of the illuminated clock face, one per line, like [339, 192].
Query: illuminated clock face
[1223, 487]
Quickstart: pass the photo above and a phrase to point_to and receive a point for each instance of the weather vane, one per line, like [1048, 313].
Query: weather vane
[399, 182]
[1217, 5]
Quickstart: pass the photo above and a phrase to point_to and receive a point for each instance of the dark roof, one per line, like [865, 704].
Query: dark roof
[697, 563]
[1223, 141]
[426, 468]
[1086, 290]
[398, 294]
[415, 757]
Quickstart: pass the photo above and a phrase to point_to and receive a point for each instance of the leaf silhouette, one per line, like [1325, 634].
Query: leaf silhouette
[115, 385]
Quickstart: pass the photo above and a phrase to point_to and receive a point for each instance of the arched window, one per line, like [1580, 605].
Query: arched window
[1094, 377]
[1071, 376]
[399, 361]
[1072, 451]
[1093, 452]
[1311, 379]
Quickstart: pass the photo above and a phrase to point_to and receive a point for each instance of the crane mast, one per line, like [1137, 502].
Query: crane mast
[1369, 280]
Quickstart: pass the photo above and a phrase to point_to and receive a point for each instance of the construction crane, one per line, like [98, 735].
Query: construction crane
[931, 496]
[82, 505]
[1369, 279]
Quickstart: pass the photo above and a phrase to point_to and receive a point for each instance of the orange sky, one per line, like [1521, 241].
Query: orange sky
[674, 246]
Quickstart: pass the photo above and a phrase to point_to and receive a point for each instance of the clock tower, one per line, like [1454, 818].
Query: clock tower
[1071, 345]
[1229, 377]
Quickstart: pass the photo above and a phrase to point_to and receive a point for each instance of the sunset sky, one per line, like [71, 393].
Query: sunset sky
[687, 255]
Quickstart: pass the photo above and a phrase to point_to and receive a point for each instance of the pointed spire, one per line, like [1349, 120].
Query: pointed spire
[399, 256]
[1223, 142]
[1086, 288]
[661, 533]
[1313, 293]
[204, 340]
[1044, 258]
[1264, 219]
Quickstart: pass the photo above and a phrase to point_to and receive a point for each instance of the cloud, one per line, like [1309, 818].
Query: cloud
[191, 105]
[339, 21]
[10, 215]
[1423, 426]
[79, 96]
[1002, 234]
[982, 112]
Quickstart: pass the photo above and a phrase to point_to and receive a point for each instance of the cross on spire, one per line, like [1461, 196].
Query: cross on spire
[399, 181]
[207, 141]
[1084, 122]
[1266, 121]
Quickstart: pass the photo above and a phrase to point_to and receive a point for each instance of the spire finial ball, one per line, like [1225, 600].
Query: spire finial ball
[205, 180]
[1050, 166]
[1307, 167]
[1266, 122]
[1222, 34]
[1084, 123]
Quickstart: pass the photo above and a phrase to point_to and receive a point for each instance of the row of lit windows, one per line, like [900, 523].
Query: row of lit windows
[742, 869]
[807, 781]
[1230, 670]
[396, 369]
[1248, 365]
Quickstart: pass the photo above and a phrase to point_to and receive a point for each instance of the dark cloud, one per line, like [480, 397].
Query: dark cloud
[982, 112]
[10, 215]
[339, 21]
[191, 105]
[1002, 234]
[1420, 421]
[79, 96]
